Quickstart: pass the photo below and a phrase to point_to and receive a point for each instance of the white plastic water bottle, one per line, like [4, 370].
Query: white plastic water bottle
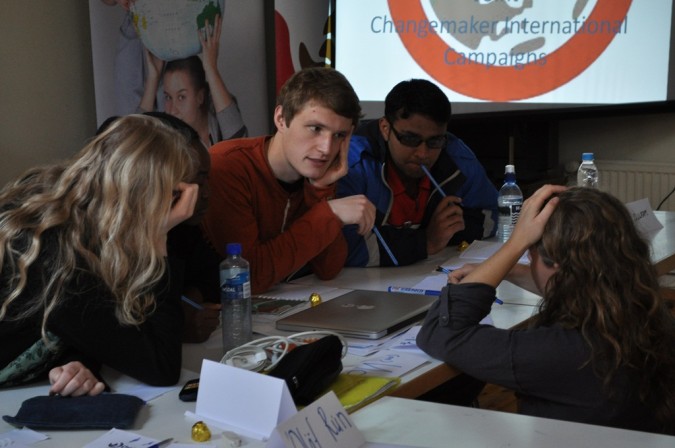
[587, 174]
[509, 202]
[235, 297]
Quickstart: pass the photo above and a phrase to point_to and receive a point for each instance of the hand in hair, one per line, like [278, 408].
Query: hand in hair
[74, 379]
[184, 205]
[534, 215]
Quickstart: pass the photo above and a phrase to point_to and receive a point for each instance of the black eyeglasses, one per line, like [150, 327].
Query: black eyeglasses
[414, 140]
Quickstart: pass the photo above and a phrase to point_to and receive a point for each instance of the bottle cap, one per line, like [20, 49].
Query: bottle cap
[233, 249]
[587, 156]
[509, 169]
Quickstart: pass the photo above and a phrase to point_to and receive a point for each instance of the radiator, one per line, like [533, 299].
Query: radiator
[630, 181]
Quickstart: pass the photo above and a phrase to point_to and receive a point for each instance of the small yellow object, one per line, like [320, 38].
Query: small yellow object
[462, 246]
[314, 299]
[200, 432]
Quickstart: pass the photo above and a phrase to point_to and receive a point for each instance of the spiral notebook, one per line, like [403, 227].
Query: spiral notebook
[283, 298]
[361, 314]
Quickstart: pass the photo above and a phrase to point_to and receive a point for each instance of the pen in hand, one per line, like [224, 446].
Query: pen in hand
[385, 245]
[448, 271]
[192, 303]
[433, 181]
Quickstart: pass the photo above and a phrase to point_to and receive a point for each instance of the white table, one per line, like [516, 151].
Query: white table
[422, 424]
[389, 420]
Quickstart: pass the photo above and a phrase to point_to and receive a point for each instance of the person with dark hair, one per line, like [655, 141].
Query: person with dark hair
[385, 163]
[85, 275]
[601, 350]
[195, 92]
[276, 194]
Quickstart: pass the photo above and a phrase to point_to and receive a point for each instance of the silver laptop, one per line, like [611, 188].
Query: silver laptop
[361, 314]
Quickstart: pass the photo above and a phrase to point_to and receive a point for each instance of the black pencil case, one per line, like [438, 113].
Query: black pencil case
[102, 411]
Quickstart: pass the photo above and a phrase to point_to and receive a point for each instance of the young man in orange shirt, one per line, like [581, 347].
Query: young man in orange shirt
[276, 194]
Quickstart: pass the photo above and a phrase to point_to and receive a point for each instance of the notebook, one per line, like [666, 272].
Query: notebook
[361, 314]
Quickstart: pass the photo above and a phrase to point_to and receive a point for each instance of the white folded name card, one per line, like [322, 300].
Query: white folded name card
[248, 403]
[643, 216]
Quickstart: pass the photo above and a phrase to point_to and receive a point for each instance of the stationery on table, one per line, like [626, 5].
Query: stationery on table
[124, 384]
[481, 250]
[324, 423]
[247, 403]
[443, 270]
[292, 291]
[404, 290]
[20, 438]
[643, 216]
[431, 285]
[355, 391]
[273, 306]
[283, 298]
[388, 363]
[118, 437]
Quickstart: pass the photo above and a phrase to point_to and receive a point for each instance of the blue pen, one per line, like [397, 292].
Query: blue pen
[386, 247]
[433, 293]
[426, 292]
[191, 302]
[443, 270]
[433, 181]
[161, 443]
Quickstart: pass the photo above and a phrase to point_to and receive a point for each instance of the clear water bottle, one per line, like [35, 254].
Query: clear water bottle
[235, 297]
[587, 174]
[509, 202]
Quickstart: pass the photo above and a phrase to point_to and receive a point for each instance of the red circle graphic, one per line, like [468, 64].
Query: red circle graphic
[506, 83]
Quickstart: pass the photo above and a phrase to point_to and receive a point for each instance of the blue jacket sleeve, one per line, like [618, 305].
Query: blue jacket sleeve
[477, 192]
[355, 182]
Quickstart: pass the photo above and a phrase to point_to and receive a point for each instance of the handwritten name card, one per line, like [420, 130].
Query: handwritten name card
[324, 423]
[643, 216]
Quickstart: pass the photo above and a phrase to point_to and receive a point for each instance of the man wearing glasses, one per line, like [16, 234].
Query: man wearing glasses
[387, 162]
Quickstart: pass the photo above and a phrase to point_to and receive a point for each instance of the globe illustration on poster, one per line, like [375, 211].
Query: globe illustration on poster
[168, 28]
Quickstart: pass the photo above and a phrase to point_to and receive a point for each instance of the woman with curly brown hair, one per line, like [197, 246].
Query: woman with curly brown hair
[84, 274]
[601, 350]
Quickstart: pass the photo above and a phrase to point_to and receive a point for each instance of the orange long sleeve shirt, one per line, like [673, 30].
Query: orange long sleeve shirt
[280, 231]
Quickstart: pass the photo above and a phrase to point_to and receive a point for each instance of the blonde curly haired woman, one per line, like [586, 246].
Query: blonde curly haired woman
[84, 276]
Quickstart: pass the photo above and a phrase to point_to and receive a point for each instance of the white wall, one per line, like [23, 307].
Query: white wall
[46, 90]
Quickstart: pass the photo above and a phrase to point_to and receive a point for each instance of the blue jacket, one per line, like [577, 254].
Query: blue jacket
[457, 171]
